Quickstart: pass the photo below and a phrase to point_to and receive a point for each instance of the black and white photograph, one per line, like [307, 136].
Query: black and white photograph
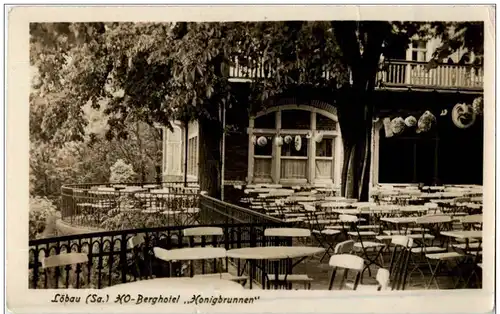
[261, 156]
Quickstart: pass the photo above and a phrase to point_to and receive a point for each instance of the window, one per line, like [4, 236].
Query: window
[174, 152]
[290, 150]
[419, 50]
[287, 161]
[295, 119]
[193, 156]
[267, 121]
[324, 148]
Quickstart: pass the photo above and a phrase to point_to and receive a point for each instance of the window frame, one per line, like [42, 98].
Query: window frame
[310, 158]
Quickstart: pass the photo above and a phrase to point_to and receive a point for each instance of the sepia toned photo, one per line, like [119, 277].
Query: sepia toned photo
[256, 156]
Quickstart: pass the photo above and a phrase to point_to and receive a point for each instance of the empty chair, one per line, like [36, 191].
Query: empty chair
[288, 279]
[370, 250]
[344, 247]
[66, 259]
[214, 232]
[141, 258]
[398, 267]
[383, 278]
[346, 262]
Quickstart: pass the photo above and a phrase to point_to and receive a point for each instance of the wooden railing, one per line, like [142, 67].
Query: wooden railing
[412, 73]
[393, 73]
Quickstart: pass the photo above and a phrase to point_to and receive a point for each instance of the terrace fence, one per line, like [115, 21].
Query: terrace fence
[112, 261]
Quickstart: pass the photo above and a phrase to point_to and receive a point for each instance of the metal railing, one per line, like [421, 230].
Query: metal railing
[216, 211]
[112, 261]
[99, 205]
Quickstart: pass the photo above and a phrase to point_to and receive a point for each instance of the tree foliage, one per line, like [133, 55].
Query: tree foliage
[157, 72]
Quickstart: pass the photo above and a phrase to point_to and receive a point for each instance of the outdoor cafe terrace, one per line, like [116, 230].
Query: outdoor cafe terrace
[275, 238]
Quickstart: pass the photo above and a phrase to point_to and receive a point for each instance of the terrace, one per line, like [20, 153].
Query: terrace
[280, 238]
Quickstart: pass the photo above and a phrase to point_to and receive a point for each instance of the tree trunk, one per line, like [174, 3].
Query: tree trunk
[356, 125]
[209, 161]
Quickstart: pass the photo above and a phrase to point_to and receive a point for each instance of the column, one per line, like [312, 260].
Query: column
[250, 150]
[311, 151]
[276, 163]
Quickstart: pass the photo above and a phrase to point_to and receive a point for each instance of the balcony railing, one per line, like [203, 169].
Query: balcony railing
[416, 74]
[393, 73]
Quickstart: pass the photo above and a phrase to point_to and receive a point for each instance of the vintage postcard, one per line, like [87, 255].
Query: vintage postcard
[282, 159]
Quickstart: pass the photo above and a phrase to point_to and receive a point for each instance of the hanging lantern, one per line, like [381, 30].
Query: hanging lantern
[288, 139]
[463, 116]
[425, 122]
[262, 141]
[279, 140]
[298, 142]
[398, 125]
[477, 105]
[387, 127]
[410, 121]
[319, 137]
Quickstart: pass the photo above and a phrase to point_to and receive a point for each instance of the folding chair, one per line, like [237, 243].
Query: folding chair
[68, 260]
[346, 262]
[141, 260]
[216, 233]
[438, 254]
[383, 278]
[367, 248]
[398, 267]
[288, 279]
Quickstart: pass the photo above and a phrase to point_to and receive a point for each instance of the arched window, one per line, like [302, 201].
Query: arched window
[293, 144]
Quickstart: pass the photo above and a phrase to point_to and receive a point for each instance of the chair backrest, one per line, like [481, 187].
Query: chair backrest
[383, 277]
[348, 218]
[203, 231]
[470, 219]
[402, 240]
[347, 261]
[344, 247]
[287, 232]
[136, 241]
[64, 259]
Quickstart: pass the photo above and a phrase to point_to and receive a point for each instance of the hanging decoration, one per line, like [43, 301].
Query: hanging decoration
[288, 139]
[308, 135]
[262, 141]
[426, 122]
[254, 139]
[398, 125]
[279, 140]
[298, 142]
[319, 137]
[410, 121]
[463, 116]
[477, 105]
[444, 112]
[387, 127]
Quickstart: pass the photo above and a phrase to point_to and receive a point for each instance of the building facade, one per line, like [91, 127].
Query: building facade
[298, 141]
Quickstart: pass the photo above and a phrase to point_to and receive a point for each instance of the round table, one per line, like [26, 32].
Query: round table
[179, 283]
[272, 253]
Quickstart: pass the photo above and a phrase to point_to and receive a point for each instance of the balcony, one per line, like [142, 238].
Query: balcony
[412, 74]
[394, 74]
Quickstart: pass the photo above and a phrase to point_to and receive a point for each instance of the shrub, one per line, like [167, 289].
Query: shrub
[122, 172]
[40, 209]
